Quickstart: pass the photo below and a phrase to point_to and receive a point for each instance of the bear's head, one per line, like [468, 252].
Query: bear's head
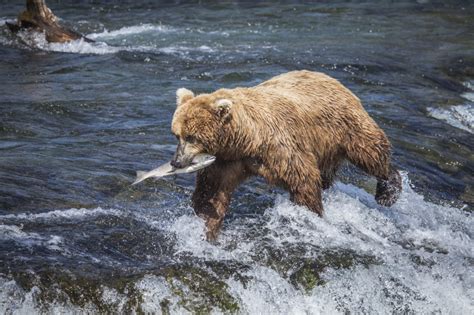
[199, 123]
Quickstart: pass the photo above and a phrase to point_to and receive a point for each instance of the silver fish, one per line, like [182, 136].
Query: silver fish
[200, 161]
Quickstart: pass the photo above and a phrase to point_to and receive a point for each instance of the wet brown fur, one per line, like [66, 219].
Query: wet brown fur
[294, 130]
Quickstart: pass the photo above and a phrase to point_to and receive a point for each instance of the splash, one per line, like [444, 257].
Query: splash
[35, 40]
[182, 50]
[30, 239]
[414, 251]
[72, 214]
[459, 116]
[38, 41]
[132, 30]
[11, 226]
[360, 257]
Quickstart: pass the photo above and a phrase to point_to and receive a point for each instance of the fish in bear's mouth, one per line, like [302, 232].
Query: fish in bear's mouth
[200, 161]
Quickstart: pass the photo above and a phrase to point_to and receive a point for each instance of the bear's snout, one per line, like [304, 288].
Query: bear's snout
[177, 164]
[181, 159]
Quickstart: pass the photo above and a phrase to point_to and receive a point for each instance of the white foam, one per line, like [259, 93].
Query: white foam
[269, 293]
[154, 291]
[396, 239]
[29, 239]
[459, 116]
[132, 30]
[185, 50]
[383, 290]
[14, 300]
[190, 238]
[71, 214]
[469, 96]
[114, 298]
[80, 46]
[15, 232]
[353, 222]
[3, 20]
[6, 40]
[470, 85]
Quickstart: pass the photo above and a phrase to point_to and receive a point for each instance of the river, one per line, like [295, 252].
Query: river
[78, 119]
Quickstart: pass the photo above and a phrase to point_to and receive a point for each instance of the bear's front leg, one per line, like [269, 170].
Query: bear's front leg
[214, 187]
[305, 186]
[309, 197]
[302, 178]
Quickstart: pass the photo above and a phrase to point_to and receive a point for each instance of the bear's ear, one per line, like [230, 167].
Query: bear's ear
[183, 95]
[223, 108]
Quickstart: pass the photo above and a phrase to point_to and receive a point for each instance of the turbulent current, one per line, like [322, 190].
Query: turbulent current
[78, 119]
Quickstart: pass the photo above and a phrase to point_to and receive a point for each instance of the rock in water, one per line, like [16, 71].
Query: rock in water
[38, 17]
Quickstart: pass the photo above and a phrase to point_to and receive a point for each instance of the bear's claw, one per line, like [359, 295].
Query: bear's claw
[389, 190]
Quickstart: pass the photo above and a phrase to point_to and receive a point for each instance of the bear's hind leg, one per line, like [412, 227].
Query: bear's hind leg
[328, 178]
[372, 155]
[329, 167]
[390, 189]
[214, 187]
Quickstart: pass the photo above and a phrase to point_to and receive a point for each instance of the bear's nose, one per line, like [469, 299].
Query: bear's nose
[176, 164]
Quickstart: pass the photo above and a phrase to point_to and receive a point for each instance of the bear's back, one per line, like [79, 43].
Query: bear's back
[304, 83]
[304, 93]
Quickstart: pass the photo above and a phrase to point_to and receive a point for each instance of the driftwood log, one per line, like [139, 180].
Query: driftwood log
[38, 17]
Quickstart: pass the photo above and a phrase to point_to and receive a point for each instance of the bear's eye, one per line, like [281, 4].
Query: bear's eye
[190, 139]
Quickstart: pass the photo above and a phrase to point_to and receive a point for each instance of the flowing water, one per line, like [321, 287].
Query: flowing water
[78, 119]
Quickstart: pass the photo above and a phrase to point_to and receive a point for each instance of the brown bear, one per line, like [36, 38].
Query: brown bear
[294, 130]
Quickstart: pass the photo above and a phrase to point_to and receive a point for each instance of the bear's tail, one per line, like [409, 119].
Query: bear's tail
[389, 190]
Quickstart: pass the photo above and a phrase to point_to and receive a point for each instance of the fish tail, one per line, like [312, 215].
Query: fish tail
[141, 175]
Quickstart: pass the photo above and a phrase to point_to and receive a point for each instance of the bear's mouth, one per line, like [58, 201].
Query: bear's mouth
[200, 161]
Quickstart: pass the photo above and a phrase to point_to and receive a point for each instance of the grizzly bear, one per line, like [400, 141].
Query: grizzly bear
[294, 130]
